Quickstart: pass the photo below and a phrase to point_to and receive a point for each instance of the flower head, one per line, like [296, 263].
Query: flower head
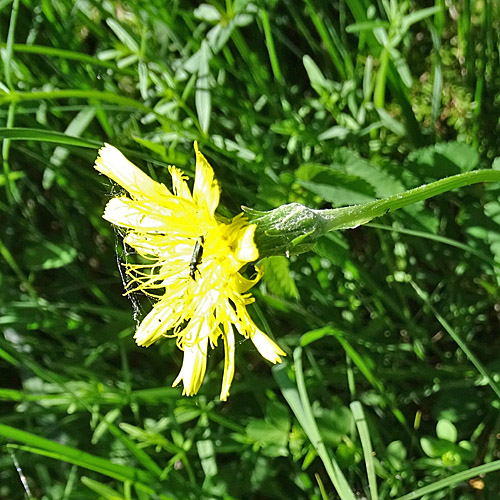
[192, 262]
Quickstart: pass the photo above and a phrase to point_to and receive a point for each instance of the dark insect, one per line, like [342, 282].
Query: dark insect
[196, 257]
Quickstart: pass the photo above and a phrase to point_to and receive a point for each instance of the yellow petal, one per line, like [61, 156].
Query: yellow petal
[206, 190]
[113, 163]
[155, 325]
[193, 367]
[173, 217]
[245, 250]
[171, 248]
[179, 184]
[242, 285]
[127, 213]
[267, 348]
[228, 362]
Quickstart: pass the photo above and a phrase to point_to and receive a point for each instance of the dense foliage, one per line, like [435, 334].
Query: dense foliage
[391, 330]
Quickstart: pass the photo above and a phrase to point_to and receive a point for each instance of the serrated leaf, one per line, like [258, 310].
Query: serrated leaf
[339, 188]
[278, 278]
[265, 432]
[443, 159]
[278, 415]
[383, 183]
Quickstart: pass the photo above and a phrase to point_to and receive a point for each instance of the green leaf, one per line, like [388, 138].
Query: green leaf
[207, 453]
[124, 36]
[382, 182]
[205, 12]
[334, 424]
[417, 16]
[435, 448]
[202, 97]
[391, 123]
[75, 129]
[446, 430]
[396, 453]
[366, 26]
[143, 78]
[265, 432]
[335, 132]
[318, 81]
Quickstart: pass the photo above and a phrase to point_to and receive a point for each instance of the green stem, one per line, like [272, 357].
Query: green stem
[11, 187]
[270, 45]
[10, 43]
[10, 183]
[8, 257]
[379, 94]
[294, 228]
[353, 216]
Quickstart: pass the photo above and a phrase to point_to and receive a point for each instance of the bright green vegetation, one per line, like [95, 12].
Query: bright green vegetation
[391, 388]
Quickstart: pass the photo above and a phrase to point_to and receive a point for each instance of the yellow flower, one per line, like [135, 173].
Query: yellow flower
[193, 259]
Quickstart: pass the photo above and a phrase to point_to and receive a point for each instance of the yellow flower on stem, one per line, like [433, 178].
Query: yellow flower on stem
[193, 262]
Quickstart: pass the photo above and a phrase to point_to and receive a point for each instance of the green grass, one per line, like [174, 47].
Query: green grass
[391, 386]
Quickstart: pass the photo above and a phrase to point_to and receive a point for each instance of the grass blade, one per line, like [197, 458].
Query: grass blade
[452, 480]
[42, 446]
[456, 337]
[299, 403]
[364, 435]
